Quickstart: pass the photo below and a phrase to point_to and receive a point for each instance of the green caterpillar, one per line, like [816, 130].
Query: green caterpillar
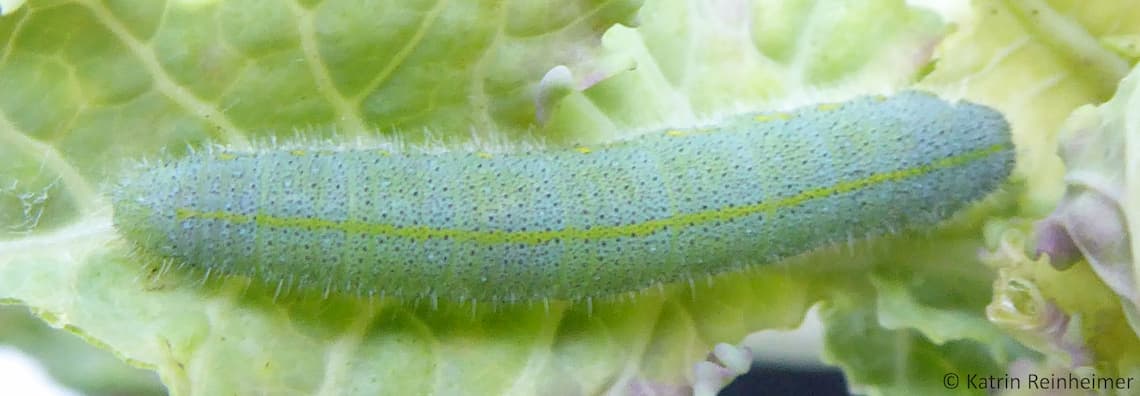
[570, 223]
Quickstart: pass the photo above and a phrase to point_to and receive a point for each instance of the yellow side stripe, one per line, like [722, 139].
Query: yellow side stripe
[680, 221]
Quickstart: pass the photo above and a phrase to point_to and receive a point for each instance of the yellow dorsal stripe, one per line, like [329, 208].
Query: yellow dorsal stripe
[679, 221]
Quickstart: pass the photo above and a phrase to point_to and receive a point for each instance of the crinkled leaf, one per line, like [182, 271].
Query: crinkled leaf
[91, 87]
[1040, 61]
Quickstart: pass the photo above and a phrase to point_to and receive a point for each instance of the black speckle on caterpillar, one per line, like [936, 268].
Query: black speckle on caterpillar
[569, 223]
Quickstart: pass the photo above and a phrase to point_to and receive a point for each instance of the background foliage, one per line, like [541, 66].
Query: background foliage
[89, 88]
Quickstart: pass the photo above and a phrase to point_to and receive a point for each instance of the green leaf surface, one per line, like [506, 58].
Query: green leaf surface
[91, 88]
[1039, 62]
[1084, 316]
[71, 361]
